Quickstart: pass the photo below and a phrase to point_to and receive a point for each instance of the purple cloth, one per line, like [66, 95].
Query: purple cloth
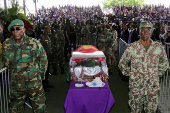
[129, 39]
[88, 99]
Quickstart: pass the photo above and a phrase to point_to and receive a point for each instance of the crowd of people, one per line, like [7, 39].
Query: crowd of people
[56, 29]
[121, 16]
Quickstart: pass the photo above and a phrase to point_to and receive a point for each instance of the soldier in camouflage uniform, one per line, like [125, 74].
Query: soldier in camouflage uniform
[46, 43]
[148, 61]
[27, 63]
[99, 28]
[78, 27]
[85, 32]
[78, 32]
[58, 43]
[105, 42]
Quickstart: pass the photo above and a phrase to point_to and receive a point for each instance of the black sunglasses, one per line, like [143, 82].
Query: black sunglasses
[17, 28]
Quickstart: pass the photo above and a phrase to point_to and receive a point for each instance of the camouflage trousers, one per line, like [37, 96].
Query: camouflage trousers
[36, 95]
[108, 55]
[138, 103]
[58, 60]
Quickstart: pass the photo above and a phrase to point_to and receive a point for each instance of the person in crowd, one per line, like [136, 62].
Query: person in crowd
[133, 35]
[27, 62]
[115, 44]
[73, 34]
[46, 43]
[85, 31]
[38, 30]
[126, 33]
[78, 27]
[105, 42]
[58, 42]
[98, 28]
[1, 33]
[168, 36]
[103, 25]
[144, 61]
[156, 32]
[67, 47]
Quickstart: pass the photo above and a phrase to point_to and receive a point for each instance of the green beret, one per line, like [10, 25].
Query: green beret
[47, 24]
[146, 24]
[15, 22]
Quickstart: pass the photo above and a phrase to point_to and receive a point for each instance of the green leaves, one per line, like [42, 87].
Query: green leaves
[110, 3]
[21, 16]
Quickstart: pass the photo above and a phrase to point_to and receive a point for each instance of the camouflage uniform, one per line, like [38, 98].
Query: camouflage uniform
[58, 42]
[106, 40]
[144, 72]
[27, 64]
[85, 31]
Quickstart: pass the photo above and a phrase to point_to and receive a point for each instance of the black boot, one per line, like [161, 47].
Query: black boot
[45, 86]
[54, 72]
[62, 71]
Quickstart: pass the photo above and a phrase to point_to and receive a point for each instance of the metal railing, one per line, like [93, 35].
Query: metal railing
[90, 40]
[122, 45]
[164, 93]
[5, 91]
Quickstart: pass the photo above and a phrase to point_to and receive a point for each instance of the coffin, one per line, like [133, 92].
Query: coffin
[87, 62]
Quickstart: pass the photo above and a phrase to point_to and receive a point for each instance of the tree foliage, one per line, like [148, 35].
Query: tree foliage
[11, 13]
[110, 3]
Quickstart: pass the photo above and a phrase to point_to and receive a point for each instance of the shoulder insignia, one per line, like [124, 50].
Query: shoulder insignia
[35, 40]
[9, 48]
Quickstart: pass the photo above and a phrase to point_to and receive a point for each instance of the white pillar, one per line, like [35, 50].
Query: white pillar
[35, 7]
[5, 6]
[24, 7]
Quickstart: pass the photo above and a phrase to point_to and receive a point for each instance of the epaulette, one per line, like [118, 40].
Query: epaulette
[35, 40]
[156, 43]
[7, 40]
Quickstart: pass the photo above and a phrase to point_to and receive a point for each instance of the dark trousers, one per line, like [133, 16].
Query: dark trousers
[74, 43]
[46, 82]
[67, 49]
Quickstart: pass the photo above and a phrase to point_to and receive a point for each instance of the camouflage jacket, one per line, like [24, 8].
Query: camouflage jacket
[85, 30]
[27, 63]
[145, 67]
[105, 39]
[57, 40]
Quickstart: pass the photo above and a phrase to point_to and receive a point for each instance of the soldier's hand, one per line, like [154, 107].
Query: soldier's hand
[103, 49]
[59, 52]
[1, 30]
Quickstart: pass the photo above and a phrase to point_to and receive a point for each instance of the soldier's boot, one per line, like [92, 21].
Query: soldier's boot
[62, 70]
[54, 71]
[45, 86]
[110, 71]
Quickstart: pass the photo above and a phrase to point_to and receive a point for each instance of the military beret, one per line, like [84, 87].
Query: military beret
[146, 24]
[16, 22]
[47, 24]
